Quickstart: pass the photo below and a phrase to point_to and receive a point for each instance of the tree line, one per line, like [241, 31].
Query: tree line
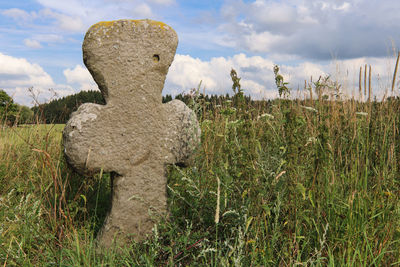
[12, 113]
[59, 110]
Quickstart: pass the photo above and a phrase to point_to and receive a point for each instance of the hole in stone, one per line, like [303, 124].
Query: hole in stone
[156, 58]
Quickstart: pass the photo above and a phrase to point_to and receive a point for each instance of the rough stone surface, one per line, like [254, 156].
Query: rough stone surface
[134, 135]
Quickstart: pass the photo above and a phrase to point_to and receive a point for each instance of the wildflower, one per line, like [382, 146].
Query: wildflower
[236, 122]
[388, 193]
[266, 115]
[365, 114]
[311, 140]
[310, 109]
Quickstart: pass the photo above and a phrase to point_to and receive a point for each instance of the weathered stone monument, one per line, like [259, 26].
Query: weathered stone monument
[134, 135]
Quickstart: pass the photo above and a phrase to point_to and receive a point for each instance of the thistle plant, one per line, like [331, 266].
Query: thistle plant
[281, 84]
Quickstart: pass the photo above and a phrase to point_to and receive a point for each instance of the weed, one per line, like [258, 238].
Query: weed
[292, 182]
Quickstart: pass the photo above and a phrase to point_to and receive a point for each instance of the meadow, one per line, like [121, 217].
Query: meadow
[312, 182]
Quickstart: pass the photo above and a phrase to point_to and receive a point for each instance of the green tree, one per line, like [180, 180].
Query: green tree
[167, 98]
[24, 115]
[8, 109]
[59, 110]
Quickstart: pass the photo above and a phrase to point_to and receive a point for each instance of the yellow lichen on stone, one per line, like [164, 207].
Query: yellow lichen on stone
[104, 24]
[108, 24]
[162, 25]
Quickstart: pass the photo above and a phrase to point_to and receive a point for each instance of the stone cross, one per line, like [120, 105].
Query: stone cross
[134, 135]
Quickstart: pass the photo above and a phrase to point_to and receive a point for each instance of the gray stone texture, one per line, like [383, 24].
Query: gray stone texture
[134, 135]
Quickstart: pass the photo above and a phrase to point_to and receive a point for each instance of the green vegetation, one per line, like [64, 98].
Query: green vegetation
[11, 113]
[59, 110]
[282, 183]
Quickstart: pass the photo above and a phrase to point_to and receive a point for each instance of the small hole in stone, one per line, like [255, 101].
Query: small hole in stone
[156, 58]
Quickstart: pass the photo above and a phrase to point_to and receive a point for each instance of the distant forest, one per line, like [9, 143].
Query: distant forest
[59, 110]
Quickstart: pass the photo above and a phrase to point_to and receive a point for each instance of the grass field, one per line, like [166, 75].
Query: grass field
[292, 183]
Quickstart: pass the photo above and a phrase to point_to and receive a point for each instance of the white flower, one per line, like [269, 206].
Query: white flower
[312, 140]
[365, 114]
[266, 115]
[310, 109]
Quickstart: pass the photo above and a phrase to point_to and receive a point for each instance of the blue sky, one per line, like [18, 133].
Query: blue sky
[41, 42]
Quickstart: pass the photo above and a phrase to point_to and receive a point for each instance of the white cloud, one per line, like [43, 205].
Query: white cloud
[49, 38]
[257, 77]
[162, 2]
[80, 76]
[71, 23]
[312, 29]
[18, 74]
[302, 35]
[71, 7]
[347, 72]
[303, 71]
[30, 96]
[344, 7]
[36, 41]
[262, 42]
[142, 10]
[16, 14]
[267, 12]
[32, 43]
[77, 16]
[187, 72]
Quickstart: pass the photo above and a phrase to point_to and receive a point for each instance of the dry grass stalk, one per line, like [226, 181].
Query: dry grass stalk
[369, 85]
[365, 79]
[217, 209]
[395, 71]
[359, 84]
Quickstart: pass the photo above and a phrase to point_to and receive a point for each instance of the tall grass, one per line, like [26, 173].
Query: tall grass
[281, 183]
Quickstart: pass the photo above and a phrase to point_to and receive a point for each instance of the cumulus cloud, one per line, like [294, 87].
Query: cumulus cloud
[313, 29]
[80, 76]
[256, 74]
[347, 72]
[186, 72]
[301, 36]
[18, 74]
[257, 77]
